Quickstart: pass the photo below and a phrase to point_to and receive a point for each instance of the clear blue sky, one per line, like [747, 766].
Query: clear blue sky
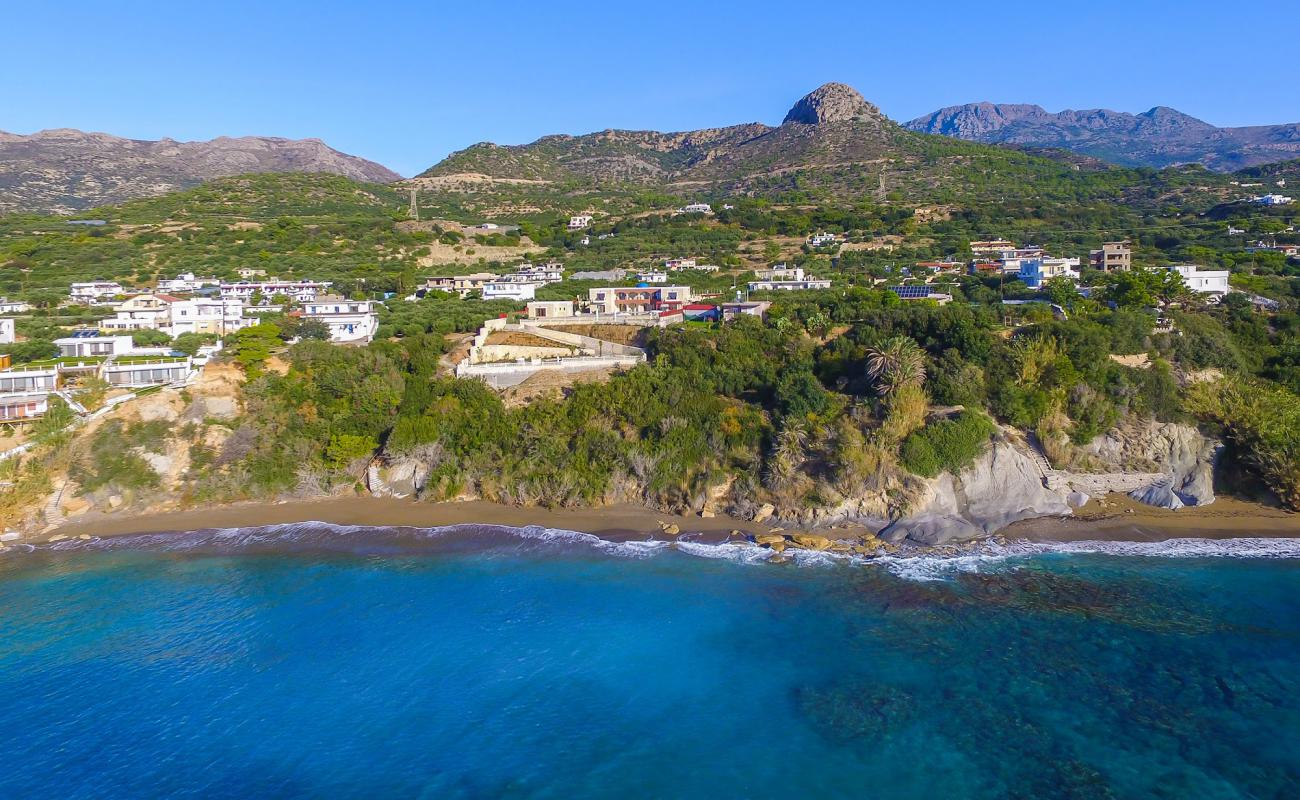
[406, 83]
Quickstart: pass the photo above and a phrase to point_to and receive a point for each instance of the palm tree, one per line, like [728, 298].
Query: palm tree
[896, 362]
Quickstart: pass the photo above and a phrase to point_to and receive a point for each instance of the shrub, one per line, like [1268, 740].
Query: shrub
[949, 445]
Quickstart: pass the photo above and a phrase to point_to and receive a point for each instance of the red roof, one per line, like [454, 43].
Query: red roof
[699, 307]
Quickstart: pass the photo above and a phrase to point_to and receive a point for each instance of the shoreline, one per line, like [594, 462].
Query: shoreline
[1119, 519]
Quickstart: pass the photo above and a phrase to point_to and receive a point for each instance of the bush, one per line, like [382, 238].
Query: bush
[1264, 421]
[149, 338]
[949, 445]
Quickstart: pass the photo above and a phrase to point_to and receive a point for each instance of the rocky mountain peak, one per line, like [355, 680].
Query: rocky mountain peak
[831, 102]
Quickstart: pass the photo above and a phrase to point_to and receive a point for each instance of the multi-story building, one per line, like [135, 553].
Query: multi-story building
[348, 320]
[1035, 271]
[579, 221]
[296, 291]
[215, 315]
[8, 331]
[1112, 257]
[638, 299]
[1212, 282]
[674, 264]
[461, 284]
[652, 276]
[94, 292]
[142, 312]
[8, 306]
[785, 279]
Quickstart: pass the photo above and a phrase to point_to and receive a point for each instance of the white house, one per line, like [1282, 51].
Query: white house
[579, 221]
[1273, 200]
[348, 320]
[8, 306]
[821, 239]
[298, 291]
[185, 282]
[653, 276]
[789, 285]
[696, 208]
[509, 290]
[89, 346]
[94, 291]
[142, 312]
[674, 264]
[7, 332]
[216, 315]
[1213, 282]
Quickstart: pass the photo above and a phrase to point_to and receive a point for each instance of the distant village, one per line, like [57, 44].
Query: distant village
[188, 304]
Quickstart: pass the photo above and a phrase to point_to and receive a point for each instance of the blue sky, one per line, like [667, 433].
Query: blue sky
[406, 83]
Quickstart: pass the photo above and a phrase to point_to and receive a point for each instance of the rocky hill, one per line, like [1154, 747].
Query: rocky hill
[830, 127]
[63, 171]
[1157, 138]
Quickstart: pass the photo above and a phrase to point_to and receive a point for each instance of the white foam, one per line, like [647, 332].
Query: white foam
[919, 565]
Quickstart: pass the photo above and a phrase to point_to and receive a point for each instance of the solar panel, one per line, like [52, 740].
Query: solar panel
[911, 292]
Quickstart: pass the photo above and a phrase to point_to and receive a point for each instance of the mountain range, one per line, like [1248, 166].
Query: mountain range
[1160, 137]
[63, 171]
[832, 141]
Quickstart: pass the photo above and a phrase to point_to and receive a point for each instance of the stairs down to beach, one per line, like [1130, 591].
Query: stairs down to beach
[53, 513]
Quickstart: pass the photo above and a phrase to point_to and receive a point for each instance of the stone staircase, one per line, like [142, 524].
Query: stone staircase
[52, 513]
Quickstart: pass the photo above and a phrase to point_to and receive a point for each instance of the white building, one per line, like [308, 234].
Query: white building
[674, 264]
[297, 291]
[821, 239]
[653, 276]
[8, 334]
[696, 208]
[579, 221]
[142, 312]
[789, 285]
[8, 306]
[90, 346]
[216, 315]
[348, 320]
[509, 290]
[1213, 282]
[550, 272]
[1273, 200]
[93, 292]
[185, 282]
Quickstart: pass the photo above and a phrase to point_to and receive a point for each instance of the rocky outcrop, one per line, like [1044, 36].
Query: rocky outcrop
[831, 102]
[1181, 457]
[1003, 486]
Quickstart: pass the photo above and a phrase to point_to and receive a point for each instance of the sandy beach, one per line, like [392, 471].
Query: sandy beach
[1119, 519]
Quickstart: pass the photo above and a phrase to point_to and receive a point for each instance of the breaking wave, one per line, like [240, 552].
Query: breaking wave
[917, 564]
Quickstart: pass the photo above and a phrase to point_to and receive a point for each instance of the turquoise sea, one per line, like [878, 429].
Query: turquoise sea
[319, 661]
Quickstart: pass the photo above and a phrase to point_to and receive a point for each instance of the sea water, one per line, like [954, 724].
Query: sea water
[316, 661]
